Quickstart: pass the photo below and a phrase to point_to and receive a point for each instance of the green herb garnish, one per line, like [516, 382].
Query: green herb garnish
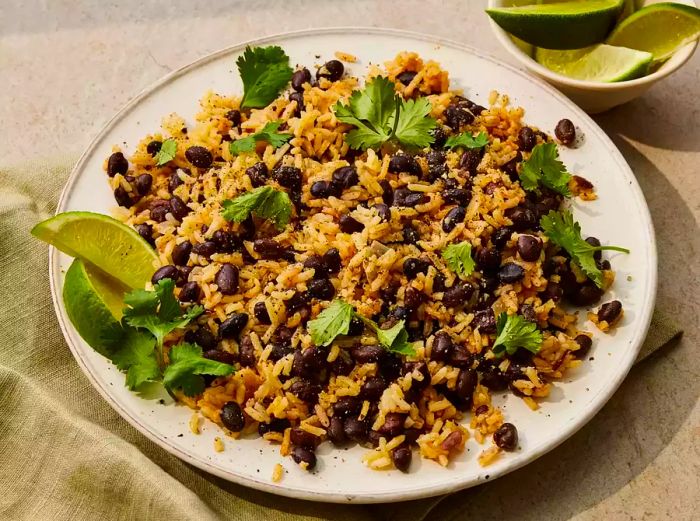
[137, 356]
[265, 71]
[186, 367]
[514, 332]
[394, 339]
[331, 322]
[379, 115]
[544, 168]
[467, 140]
[265, 202]
[167, 152]
[459, 258]
[562, 230]
[268, 133]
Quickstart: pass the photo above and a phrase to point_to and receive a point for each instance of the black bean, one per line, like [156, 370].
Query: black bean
[373, 388]
[511, 167]
[529, 247]
[356, 430]
[257, 174]
[190, 292]
[246, 352]
[586, 295]
[422, 368]
[453, 218]
[349, 224]
[413, 266]
[332, 260]
[470, 159]
[585, 343]
[174, 181]
[122, 197]
[356, 327]
[275, 425]
[500, 237]
[401, 457]
[399, 313]
[365, 354]
[234, 116]
[528, 312]
[287, 176]
[143, 183]
[232, 417]
[406, 77]
[458, 196]
[227, 279]
[117, 164]
[166, 272]
[331, 70]
[153, 147]
[336, 432]
[233, 325]
[442, 347]
[146, 231]
[510, 273]
[347, 406]
[320, 189]
[439, 137]
[404, 163]
[342, 365]
[487, 259]
[406, 197]
[226, 242]
[279, 350]
[439, 283]
[184, 274]
[199, 157]
[321, 289]
[506, 437]
[523, 218]
[202, 337]
[452, 441]
[178, 208]
[457, 295]
[220, 356]
[284, 334]
[466, 383]
[303, 455]
[610, 311]
[268, 249]
[305, 390]
[485, 321]
[301, 438]
[298, 97]
[205, 249]
[527, 139]
[436, 165]
[387, 192]
[299, 300]
[299, 78]
[553, 291]
[261, 314]
[346, 176]
[410, 235]
[393, 424]
[593, 241]
[181, 253]
[456, 116]
[383, 211]
[413, 298]
[565, 132]
[493, 378]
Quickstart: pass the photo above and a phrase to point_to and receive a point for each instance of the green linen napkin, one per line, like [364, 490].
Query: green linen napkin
[64, 453]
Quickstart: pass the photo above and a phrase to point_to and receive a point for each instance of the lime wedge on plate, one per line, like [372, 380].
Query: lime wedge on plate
[604, 63]
[561, 25]
[94, 303]
[660, 29]
[112, 246]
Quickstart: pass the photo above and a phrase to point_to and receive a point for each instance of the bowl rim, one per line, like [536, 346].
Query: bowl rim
[676, 61]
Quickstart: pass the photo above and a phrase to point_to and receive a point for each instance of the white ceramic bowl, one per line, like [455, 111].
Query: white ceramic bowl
[591, 96]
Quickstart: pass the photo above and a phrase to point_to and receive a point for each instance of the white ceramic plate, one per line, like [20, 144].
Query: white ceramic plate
[620, 216]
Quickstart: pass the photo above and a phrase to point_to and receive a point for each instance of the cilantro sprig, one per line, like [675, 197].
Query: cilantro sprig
[380, 115]
[459, 258]
[186, 367]
[563, 231]
[335, 321]
[265, 71]
[545, 168]
[514, 332]
[467, 140]
[265, 202]
[268, 134]
[167, 152]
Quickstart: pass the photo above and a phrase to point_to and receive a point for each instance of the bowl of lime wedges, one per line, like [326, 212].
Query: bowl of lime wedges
[600, 53]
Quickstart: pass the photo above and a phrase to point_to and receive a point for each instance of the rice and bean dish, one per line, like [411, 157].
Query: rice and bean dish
[373, 258]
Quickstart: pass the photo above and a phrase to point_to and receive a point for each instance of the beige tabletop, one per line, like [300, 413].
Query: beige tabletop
[67, 66]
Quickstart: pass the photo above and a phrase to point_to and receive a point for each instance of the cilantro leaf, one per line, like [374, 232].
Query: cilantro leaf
[331, 322]
[376, 103]
[362, 137]
[264, 201]
[414, 125]
[137, 356]
[394, 339]
[544, 168]
[167, 152]
[514, 332]
[265, 71]
[268, 133]
[562, 230]
[466, 140]
[185, 367]
[167, 318]
[459, 258]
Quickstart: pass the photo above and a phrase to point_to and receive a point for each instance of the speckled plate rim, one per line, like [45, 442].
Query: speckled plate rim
[418, 491]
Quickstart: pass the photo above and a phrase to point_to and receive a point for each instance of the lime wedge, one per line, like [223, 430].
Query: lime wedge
[112, 246]
[561, 25]
[603, 63]
[94, 303]
[660, 29]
